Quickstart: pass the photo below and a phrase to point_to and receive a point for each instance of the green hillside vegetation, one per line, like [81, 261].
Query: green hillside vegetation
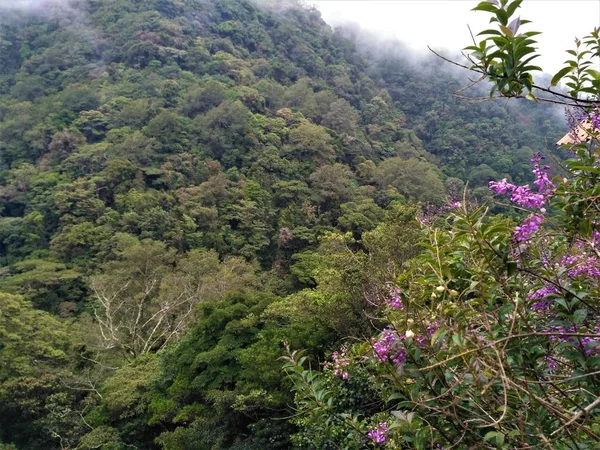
[189, 186]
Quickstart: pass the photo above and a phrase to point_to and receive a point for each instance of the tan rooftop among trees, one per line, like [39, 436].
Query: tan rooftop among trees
[578, 135]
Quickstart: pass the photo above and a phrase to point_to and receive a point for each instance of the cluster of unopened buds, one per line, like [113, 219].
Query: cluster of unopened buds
[441, 289]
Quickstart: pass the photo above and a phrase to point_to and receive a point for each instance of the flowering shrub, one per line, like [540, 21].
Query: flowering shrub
[495, 342]
[491, 339]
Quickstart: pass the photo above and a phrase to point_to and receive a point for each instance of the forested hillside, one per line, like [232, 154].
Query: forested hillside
[189, 186]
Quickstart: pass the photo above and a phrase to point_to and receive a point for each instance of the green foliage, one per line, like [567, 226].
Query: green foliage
[166, 161]
[488, 338]
[507, 54]
[29, 335]
[221, 383]
[36, 349]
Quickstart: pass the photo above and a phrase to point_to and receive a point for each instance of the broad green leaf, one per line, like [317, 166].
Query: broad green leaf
[485, 6]
[560, 74]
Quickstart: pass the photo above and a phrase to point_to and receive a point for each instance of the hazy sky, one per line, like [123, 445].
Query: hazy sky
[443, 23]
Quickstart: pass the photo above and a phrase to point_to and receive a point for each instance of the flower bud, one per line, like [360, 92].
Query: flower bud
[453, 293]
[440, 289]
[433, 296]
[409, 333]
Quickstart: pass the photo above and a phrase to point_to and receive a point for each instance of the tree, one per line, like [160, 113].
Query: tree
[35, 353]
[201, 100]
[332, 185]
[414, 178]
[92, 124]
[342, 117]
[311, 143]
[130, 318]
[140, 303]
[171, 132]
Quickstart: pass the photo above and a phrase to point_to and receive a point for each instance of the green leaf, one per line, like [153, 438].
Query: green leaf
[438, 335]
[485, 6]
[512, 7]
[560, 74]
[507, 31]
[532, 98]
[490, 31]
[457, 339]
[579, 316]
[490, 435]
[500, 439]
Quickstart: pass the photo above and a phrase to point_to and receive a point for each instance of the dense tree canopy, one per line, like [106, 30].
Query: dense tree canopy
[188, 187]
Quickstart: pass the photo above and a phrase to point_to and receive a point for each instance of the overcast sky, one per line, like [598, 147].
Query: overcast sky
[443, 23]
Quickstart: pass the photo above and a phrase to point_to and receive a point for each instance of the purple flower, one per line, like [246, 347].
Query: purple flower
[595, 238]
[340, 361]
[545, 186]
[431, 329]
[589, 345]
[529, 226]
[551, 363]
[540, 305]
[595, 117]
[394, 299]
[569, 260]
[501, 187]
[543, 292]
[582, 265]
[523, 196]
[379, 434]
[540, 295]
[389, 346]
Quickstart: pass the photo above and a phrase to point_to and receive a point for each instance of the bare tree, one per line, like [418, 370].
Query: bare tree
[143, 301]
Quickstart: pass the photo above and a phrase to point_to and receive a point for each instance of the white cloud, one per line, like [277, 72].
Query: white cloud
[443, 24]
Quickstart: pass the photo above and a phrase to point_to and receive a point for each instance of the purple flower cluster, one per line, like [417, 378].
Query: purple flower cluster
[543, 292]
[521, 195]
[595, 118]
[525, 197]
[529, 226]
[590, 345]
[595, 238]
[390, 346]
[394, 299]
[545, 186]
[540, 295]
[340, 361]
[379, 434]
[582, 265]
[559, 331]
[432, 328]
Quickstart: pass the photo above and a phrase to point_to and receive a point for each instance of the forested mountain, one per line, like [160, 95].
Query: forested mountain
[186, 185]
